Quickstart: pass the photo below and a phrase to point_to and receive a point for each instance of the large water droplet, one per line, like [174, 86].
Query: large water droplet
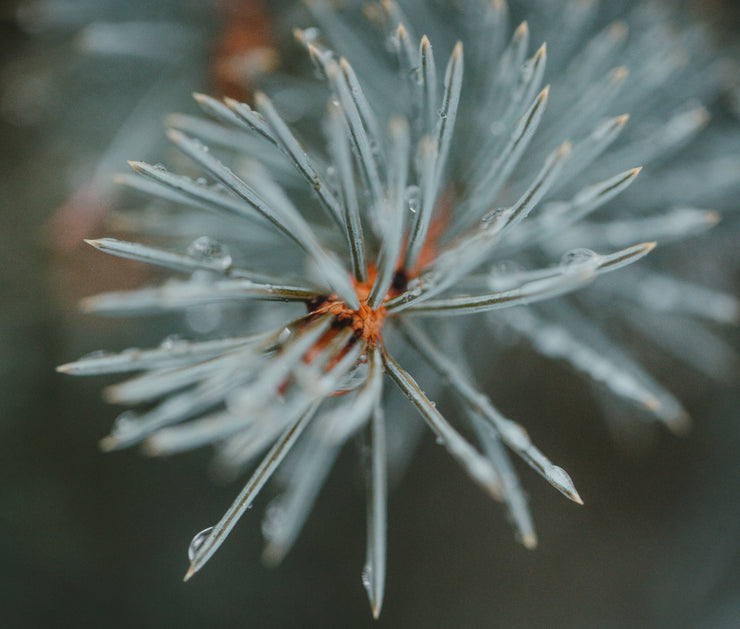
[197, 542]
[579, 259]
[210, 251]
[160, 167]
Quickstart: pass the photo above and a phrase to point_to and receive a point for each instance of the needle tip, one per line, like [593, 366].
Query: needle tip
[188, 574]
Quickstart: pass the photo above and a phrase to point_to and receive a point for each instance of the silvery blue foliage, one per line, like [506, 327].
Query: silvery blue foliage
[451, 172]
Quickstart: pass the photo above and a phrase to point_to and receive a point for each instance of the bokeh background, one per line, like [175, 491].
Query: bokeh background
[97, 540]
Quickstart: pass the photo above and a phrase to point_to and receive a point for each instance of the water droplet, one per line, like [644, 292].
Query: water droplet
[504, 275]
[497, 127]
[331, 176]
[98, 353]
[160, 167]
[527, 72]
[416, 76]
[205, 318]
[197, 542]
[311, 34]
[274, 520]
[579, 259]
[355, 377]
[493, 217]
[367, 578]
[201, 181]
[171, 341]
[210, 251]
[442, 113]
[285, 335]
[199, 276]
[201, 146]
[124, 423]
[507, 267]
[413, 198]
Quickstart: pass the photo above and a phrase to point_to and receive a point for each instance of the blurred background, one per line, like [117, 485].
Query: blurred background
[88, 539]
